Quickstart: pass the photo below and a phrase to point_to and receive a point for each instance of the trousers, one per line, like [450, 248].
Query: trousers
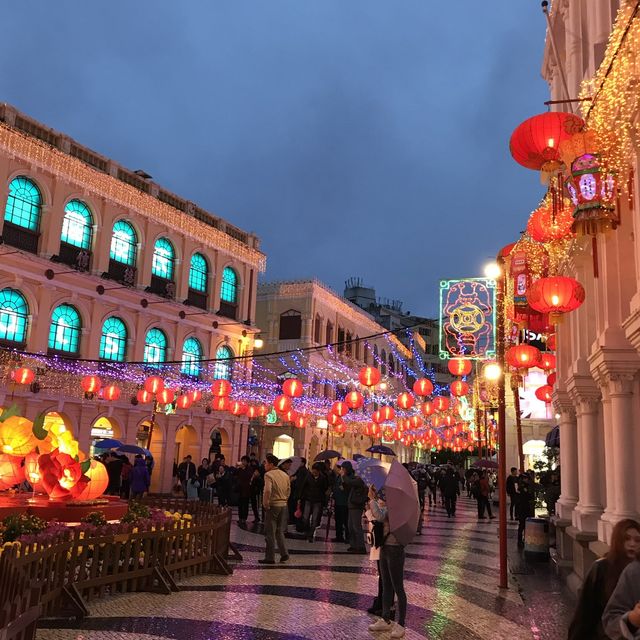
[450, 504]
[392, 574]
[356, 533]
[483, 503]
[342, 517]
[275, 524]
[312, 510]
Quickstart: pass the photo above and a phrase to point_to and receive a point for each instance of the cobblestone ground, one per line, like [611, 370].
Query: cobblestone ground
[323, 593]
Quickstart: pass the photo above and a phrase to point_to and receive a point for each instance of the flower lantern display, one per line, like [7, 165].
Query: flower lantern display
[166, 396]
[405, 400]
[387, 413]
[547, 361]
[16, 436]
[111, 392]
[221, 388]
[548, 223]
[427, 408]
[98, 480]
[354, 400]
[292, 387]
[91, 384]
[143, 396]
[544, 393]
[522, 356]
[369, 376]
[32, 469]
[441, 403]
[11, 471]
[555, 295]
[237, 408]
[220, 403]
[282, 404]
[23, 375]
[459, 366]
[183, 401]
[60, 473]
[459, 388]
[423, 387]
[154, 384]
[340, 408]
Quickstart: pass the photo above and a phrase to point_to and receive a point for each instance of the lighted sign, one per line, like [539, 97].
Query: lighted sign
[272, 416]
[468, 318]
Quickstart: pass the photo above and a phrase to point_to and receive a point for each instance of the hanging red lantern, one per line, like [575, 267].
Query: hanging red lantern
[459, 388]
[415, 422]
[555, 295]
[300, 422]
[459, 366]
[387, 413]
[376, 416]
[470, 448]
[183, 402]
[221, 388]
[292, 387]
[522, 356]
[282, 404]
[91, 384]
[427, 409]
[290, 416]
[354, 400]
[535, 144]
[166, 396]
[547, 361]
[112, 392]
[23, 375]
[441, 403]
[544, 393]
[423, 387]
[551, 342]
[143, 396]
[263, 410]
[375, 430]
[195, 395]
[548, 223]
[237, 408]
[340, 408]
[449, 420]
[405, 400]
[369, 376]
[220, 403]
[340, 428]
[333, 419]
[154, 384]
[551, 379]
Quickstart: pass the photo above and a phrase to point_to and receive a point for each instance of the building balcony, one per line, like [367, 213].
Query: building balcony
[197, 299]
[228, 310]
[162, 287]
[73, 256]
[20, 238]
[120, 272]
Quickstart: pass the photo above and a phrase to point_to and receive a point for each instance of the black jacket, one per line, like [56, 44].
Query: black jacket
[313, 489]
[357, 491]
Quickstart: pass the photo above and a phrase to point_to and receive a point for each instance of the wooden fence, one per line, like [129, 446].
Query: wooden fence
[63, 573]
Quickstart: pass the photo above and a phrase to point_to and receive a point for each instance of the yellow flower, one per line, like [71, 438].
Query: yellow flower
[187, 516]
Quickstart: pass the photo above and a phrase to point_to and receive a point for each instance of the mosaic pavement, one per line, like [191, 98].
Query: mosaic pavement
[323, 593]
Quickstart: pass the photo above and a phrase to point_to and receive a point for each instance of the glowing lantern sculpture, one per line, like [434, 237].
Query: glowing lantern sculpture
[459, 366]
[544, 393]
[547, 224]
[427, 409]
[369, 376]
[166, 396]
[221, 388]
[144, 397]
[11, 471]
[522, 356]
[292, 388]
[91, 384]
[547, 361]
[405, 400]
[340, 408]
[555, 295]
[354, 400]
[441, 403]
[31, 469]
[98, 481]
[154, 384]
[282, 404]
[220, 403]
[23, 375]
[423, 387]
[60, 473]
[16, 436]
[459, 388]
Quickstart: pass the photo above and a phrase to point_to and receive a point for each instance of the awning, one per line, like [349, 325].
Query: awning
[552, 438]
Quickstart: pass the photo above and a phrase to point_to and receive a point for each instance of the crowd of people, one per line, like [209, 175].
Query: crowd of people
[127, 479]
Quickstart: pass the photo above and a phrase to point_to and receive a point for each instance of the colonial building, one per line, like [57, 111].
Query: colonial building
[306, 315]
[99, 263]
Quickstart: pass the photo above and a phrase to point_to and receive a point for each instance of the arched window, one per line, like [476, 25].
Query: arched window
[317, 330]
[64, 332]
[222, 370]
[113, 341]
[77, 225]
[383, 362]
[290, 325]
[198, 273]
[155, 346]
[14, 313]
[123, 243]
[163, 259]
[229, 288]
[329, 338]
[24, 204]
[191, 356]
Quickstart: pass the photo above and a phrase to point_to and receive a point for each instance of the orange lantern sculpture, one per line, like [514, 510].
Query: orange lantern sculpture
[31, 469]
[522, 356]
[405, 400]
[282, 404]
[221, 388]
[369, 376]
[544, 393]
[441, 403]
[23, 375]
[154, 384]
[143, 396]
[166, 396]
[220, 403]
[293, 388]
[547, 361]
[91, 384]
[16, 436]
[459, 388]
[11, 471]
[427, 409]
[97, 485]
[340, 408]
[555, 295]
[423, 387]
[459, 366]
[354, 400]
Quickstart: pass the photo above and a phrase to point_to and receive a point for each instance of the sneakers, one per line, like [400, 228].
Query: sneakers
[381, 625]
[284, 558]
[397, 631]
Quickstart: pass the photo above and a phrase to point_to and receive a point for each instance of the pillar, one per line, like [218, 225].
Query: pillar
[568, 457]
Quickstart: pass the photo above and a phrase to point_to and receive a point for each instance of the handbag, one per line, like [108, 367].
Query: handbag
[298, 512]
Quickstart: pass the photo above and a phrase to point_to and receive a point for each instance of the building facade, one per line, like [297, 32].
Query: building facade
[100, 269]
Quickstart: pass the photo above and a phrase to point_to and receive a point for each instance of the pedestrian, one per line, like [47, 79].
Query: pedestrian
[483, 497]
[139, 478]
[223, 482]
[433, 488]
[186, 471]
[340, 509]
[114, 472]
[277, 487]
[601, 582]
[391, 568]
[419, 474]
[450, 488]
[204, 471]
[621, 618]
[525, 504]
[257, 484]
[125, 479]
[313, 491]
[356, 500]
[244, 475]
[512, 479]
[193, 488]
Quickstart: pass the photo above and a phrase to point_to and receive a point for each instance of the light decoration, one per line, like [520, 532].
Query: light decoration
[11, 471]
[23, 375]
[354, 400]
[144, 397]
[282, 404]
[522, 357]
[340, 408]
[220, 403]
[546, 224]
[547, 361]
[334, 420]
[427, 408]
[459, 366]
[16, 436]
[423, 387]
[369, 376]
[154, 384]
[459, 388]
[111, 392]
[166, 396]
[238, 408]
[441, 403]
[405, 400]
[97, 485]
[292, 387]
[221, 388]
[544, 393]
[183, 402]
[91, 384]
[555, 296]
[387, 413]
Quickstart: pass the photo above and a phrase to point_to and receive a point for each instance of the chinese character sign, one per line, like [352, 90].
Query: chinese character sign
[468, 318]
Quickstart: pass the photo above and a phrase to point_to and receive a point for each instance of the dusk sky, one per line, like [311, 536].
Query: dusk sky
[355, 137]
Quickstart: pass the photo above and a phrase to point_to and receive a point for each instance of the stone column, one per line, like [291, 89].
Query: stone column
[568, 456]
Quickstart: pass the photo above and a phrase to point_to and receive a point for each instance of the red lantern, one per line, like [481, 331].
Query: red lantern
[459, 388]
[535, 143]
[459, 366]
[547, 361]
[415, 422]
[470, 448]
[340, 408]
[551, 342]
[290, 416]
[91, 384]
[423, 387]
[238, 408]
[263, 410]
[427, 409]
[23, 375]
[387, 413]
[546, 225]
[544, 393]
[143, 396]
[299, 422]
[334, 420]
[166, 396]
[522, 356]
[354, 400]
[183, 402]
[221, 388]
[376, 416]
[112, 392]
[375, 430]
[154, 384]
[292, 387]
[449, 420]
[221, 403]
[252, 411]
[369, 376]
[551, 379]
[340, 428]
[195, 395]
[405, 400]
[282, 404]
[441, 403]
[555, 296]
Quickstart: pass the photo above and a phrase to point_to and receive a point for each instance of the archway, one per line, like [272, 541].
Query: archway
[283, 446]
[102, 428]
[156, 449]
[187, 444]
[219, 442]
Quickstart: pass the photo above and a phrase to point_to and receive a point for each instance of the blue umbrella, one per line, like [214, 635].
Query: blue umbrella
[147, 453]
[108, 443]
[131, 448]
[380, 448]
[373, 471]
[358, 456]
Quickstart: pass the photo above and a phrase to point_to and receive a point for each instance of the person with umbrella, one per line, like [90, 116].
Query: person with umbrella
[391, 567]
[140, 479]
[356, 491]
[313, 491]
[340, 509]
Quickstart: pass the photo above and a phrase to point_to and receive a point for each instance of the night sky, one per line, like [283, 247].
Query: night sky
[355, 137]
